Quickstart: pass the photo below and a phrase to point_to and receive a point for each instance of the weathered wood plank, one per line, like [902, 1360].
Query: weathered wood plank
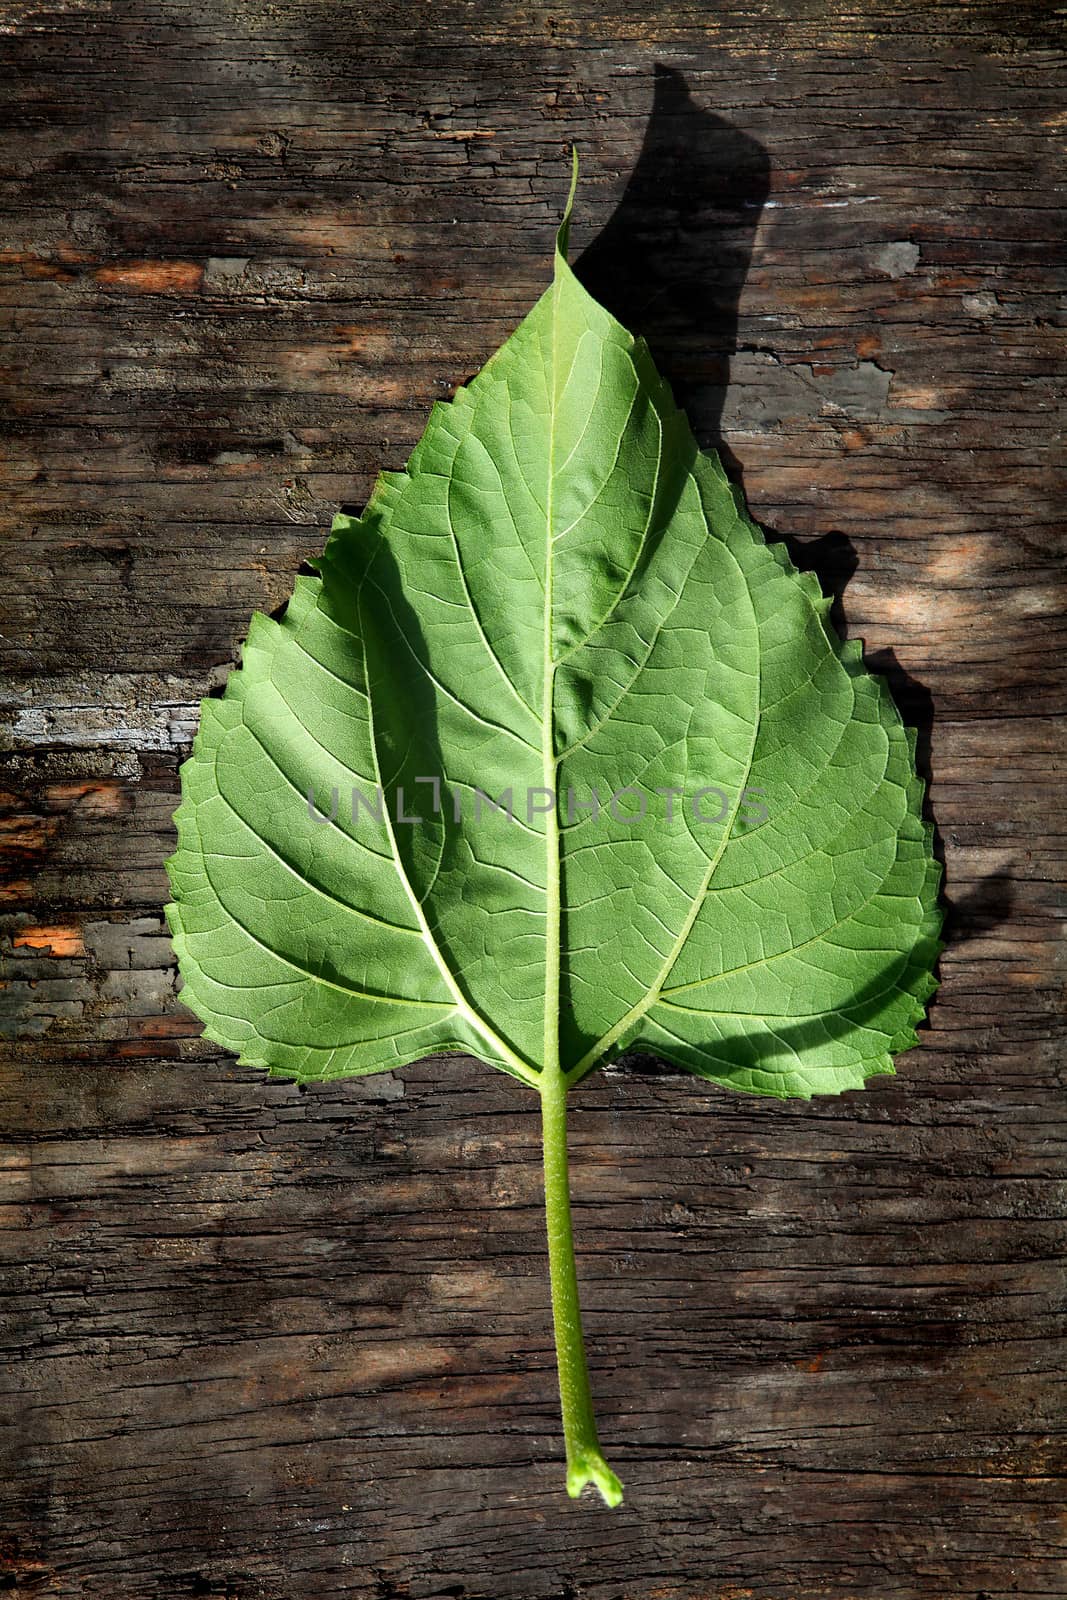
[264, 1342]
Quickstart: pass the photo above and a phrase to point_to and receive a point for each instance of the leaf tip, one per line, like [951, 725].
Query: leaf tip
[563, 232]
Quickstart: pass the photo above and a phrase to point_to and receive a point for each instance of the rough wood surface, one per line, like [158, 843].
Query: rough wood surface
[272, 1344]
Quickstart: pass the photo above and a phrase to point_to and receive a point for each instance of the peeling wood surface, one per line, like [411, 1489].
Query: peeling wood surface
[272, 1344]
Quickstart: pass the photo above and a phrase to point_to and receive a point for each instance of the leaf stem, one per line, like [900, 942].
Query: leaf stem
[585, 1464]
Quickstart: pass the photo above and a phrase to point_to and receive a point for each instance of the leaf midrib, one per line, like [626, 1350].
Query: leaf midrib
[549, 774]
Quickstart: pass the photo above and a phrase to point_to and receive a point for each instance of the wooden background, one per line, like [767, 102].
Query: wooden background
[284, 1345]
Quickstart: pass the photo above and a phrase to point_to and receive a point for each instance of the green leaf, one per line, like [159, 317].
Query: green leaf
[560, 596]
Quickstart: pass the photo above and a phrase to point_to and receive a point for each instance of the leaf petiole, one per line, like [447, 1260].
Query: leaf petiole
[585, 1463]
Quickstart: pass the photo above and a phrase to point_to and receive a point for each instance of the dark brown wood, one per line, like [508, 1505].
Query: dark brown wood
[272, 1344]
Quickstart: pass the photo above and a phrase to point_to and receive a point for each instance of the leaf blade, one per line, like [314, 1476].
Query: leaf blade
[559, 593]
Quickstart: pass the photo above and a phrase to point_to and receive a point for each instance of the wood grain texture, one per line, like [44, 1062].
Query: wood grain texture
[265, 1344]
